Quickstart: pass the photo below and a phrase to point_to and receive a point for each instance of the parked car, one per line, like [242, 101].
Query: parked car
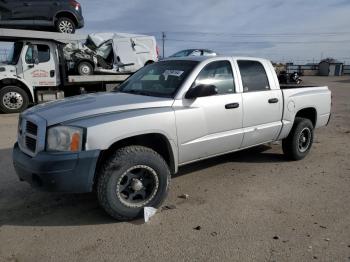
[125, 145]
[64, 16]
[194, 52]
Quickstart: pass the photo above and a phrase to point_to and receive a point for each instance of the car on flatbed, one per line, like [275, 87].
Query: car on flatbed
[125, 145]
[65, 16]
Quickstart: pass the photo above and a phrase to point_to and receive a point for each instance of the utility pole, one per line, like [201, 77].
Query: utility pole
[163, 39]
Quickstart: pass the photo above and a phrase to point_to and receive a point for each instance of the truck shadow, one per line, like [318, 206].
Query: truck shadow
[252, 155]
[23, 206]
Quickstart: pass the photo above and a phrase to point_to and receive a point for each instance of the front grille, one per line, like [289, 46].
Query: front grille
[31, 128]
[31, 134]
[31, 143]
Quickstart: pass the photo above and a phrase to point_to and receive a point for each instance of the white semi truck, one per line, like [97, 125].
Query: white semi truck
[37, 71]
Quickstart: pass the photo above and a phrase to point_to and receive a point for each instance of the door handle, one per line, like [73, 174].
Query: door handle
[232, 106]
[26, 4]
[273, 100]
[30, 66]
[52, 73]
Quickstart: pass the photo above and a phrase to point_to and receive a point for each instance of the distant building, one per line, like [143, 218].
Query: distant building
[330, 67]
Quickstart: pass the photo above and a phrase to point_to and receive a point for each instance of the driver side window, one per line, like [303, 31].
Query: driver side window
[220, 75]
[29, 55]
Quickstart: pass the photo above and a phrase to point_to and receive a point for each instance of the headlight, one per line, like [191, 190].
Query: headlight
[64, 138]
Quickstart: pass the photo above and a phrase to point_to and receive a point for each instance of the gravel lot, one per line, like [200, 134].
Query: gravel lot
[250, 206]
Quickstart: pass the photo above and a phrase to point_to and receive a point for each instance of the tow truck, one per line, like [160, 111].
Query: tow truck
[36, 71]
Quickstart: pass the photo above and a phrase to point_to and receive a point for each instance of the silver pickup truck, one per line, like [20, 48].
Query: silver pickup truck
[126, 144]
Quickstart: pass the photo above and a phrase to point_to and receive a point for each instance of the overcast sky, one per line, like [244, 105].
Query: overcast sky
[276, 29]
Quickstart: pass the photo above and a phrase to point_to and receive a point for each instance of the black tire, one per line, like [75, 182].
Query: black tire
[13, 99]
[65, 25]
[110, 196]
[294, 146]
[85, 68]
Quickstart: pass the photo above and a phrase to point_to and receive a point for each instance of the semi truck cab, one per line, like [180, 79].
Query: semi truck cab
[36, 71]
[31, 65]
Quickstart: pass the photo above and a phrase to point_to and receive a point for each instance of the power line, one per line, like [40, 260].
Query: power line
[257, 34]
[258, 42]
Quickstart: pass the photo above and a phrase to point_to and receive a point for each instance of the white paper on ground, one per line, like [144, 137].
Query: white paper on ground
[148, 213]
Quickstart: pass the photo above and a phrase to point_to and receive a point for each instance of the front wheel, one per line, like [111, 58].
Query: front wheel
[299, 141]
[13, 99]
[85, 69]
[132, 178]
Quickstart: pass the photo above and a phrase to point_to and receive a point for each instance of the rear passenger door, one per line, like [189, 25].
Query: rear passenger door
[262, 103]
[42, 11]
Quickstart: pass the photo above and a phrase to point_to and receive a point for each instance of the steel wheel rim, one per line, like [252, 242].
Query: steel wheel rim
[304, 140]
[12, 100]
[137, 186]
[66, 27]
[85, 70]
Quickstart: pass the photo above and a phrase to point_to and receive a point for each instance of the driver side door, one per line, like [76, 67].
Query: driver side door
[42, 72]
[212, 125]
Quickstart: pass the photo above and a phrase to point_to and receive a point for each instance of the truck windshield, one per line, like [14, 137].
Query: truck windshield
[161, 79]
[15, 53]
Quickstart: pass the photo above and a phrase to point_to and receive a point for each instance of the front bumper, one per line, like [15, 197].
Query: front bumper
[57, 172]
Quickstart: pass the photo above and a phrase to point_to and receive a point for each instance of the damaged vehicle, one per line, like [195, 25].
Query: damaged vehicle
[111, 53]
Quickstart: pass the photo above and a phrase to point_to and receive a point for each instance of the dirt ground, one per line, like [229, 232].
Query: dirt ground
[250, 206]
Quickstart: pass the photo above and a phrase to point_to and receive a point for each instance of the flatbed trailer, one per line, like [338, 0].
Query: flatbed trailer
[37, 71]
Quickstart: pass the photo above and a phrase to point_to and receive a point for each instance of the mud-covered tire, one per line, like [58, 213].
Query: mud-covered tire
[85, 68]
[13, 99]
[115, 169]
[295, 147]
[65, 25]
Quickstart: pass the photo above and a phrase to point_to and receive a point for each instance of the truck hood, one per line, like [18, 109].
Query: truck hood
[7, 69]
[94, 104]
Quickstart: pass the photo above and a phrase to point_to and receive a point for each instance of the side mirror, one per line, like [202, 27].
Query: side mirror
[201, 91]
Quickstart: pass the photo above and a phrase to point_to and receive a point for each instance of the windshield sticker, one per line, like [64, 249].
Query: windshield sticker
[177, 73]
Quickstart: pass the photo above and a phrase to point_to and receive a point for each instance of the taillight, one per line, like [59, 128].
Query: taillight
[75, 4]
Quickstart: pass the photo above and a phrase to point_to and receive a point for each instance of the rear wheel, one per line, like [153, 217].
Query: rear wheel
[132, 178]
[299, 141]
[85, 69]
[65, 25]
[13, 99]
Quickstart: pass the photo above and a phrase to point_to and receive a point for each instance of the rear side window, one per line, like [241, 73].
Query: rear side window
[218, 74]
[253, 75]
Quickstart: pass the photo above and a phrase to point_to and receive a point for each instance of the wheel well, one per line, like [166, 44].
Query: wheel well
[68, 15]
[14, 82]
[149, 62]
[87, 61]
[308, 113]
[155, 141]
